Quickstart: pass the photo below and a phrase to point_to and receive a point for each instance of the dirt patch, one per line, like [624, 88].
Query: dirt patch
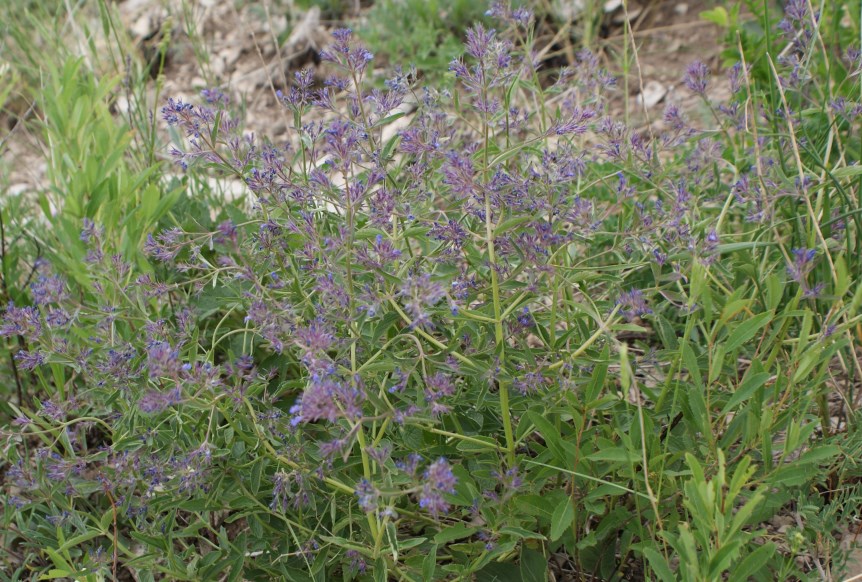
[668, 36]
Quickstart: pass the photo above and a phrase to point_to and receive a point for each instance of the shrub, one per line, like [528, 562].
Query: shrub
[516, 328]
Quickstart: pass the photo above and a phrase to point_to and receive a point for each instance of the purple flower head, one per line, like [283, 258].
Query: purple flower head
[632, 304]
[162, 360]
[215, 96]
[438, 386]
[409, 464]
[280, 491]
[165, 246]
[439, 476]
[420, 292]
[696, 77]
[357, 562]
[438, 479]
[315, 337]
[91, 231]
[802, 262]
[51, 410]
[796, 10]
[738, 77]
[531, 383]
[328, 399]
[29, 360]
[23, 321]
[479, 41]
[366, 495]
[226, 232]
[576, 124]
[519, 16]
[344, 53]
[48, 289]
[508, 483]
[154, 401]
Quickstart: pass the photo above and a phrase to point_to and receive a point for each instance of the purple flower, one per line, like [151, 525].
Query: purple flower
[29, 360]
[438, 386]
[162, 360]
[438, 479]
[280, 491]
[315, 337]
[154, 401]
[366, 495]
[802, 263]
[510, 481]
[421, 292]
[165, 246]
[577, 123]
[214, 96]
[479, 41]
[328, 399]
[48, 290]
[51, 410]
[357, 563]
[91, 231]
[632, 304]
[57, 317]
[696, 77]
[23, 321]
[409, 464]
[519, 16]
[531, 383]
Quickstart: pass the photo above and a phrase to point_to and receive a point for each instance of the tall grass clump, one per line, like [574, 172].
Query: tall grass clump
[518, 329]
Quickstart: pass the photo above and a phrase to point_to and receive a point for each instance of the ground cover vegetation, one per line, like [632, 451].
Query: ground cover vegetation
[520, 337]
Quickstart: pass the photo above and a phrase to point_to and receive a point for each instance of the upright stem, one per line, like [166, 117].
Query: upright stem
[499, 337]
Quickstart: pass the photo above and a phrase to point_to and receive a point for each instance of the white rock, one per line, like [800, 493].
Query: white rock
[612, 6]
[652, 94]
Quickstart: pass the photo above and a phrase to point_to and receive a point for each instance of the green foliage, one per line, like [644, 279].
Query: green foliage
[429, 32]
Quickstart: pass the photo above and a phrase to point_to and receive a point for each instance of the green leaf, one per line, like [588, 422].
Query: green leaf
[389, 119]
[752, 563]
[722, 559]
[847, 171]
[55, 573]
[533, 566]
[745, 390]
[551, 435]
[717, 15]
[659, 565]
[613, 455]
[522, 533]
[747, 330]
[818, 455]
[693, 368]
[511, 223]
[456, 532]
[429, 564]
[666, 333]
[498, 572]
[562, 518]
[380, 570]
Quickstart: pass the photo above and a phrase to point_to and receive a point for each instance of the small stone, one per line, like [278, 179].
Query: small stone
[612, 6]
[652, 94]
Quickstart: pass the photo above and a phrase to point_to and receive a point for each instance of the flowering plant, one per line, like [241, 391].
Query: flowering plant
[510, 329]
